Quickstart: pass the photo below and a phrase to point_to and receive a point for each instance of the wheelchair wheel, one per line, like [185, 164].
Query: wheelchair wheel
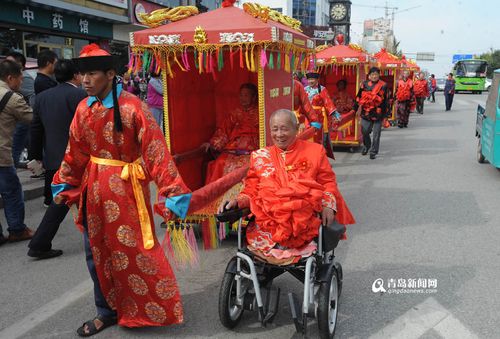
[229, 313]
[328, 303]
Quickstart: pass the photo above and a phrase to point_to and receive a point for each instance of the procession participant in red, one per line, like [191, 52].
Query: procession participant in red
[372, 103]
[237, 137]
[404, 95]
[421, 88]
[345, 104]
[291, 189]
[304, 110]
[324, 107]
[115, 149]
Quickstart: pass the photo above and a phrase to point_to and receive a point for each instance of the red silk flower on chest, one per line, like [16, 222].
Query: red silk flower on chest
[300, 165]
[369, 101]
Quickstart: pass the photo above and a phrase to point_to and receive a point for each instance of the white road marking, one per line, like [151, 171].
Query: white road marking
[422, 318]
[48, 310]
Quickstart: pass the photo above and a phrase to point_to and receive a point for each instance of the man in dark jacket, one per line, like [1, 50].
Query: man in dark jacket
[53, 112]
[372, 103]
[46, 63]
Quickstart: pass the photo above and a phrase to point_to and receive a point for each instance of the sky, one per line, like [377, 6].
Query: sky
[445, 27]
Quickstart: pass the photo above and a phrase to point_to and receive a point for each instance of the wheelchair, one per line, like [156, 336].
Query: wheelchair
[247, 283]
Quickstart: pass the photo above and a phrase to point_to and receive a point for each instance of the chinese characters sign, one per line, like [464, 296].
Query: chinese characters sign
[54, 20]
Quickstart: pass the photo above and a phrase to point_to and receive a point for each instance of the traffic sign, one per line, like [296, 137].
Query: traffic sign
[458, 57]
[425, 56]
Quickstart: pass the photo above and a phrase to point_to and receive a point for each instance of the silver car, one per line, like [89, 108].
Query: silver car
[487, 84]
[440, 84]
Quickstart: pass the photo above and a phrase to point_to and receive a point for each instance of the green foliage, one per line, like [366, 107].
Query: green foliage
[394, 49]
[493, 59]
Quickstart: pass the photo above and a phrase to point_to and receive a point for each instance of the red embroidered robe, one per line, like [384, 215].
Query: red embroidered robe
[235, 139]
[302, 105]
[138, 283]
[322, 104]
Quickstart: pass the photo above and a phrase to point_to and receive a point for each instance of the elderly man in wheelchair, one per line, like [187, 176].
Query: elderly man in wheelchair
[297, 217]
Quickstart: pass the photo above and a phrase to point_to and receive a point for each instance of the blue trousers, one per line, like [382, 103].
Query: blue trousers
[13, 199]
[20, 141]
[158, 115]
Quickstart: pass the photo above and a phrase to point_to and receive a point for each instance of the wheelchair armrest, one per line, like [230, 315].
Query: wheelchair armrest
[232, 215]
[331, 235]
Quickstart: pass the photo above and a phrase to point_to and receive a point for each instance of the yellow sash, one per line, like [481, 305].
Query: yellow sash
[325, 118]
[134, 172]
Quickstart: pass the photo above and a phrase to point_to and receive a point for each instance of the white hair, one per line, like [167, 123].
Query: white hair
[291, 115]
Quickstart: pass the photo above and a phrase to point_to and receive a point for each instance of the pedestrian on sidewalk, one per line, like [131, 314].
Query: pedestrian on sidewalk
[404, 95]
[372, 104]
[52, 116]
[421, 92]
[449, 91]
[115, 149]
[45, 76]
[129, 84]
[13, 109]
[27, 90]
[155, 98]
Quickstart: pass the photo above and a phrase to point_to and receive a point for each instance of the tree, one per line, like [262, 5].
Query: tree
[393, 46]
[493, 59]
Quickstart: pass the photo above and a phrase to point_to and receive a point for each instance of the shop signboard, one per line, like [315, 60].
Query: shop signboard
[55, 21]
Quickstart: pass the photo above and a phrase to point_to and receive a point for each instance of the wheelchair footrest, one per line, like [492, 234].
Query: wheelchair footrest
[272, 303]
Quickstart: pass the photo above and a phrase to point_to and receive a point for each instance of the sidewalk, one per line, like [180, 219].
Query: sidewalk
[32, 188]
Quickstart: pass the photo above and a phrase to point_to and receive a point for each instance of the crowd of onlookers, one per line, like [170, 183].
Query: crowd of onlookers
[35, 116]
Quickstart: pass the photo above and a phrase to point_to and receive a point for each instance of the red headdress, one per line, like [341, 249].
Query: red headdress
[94, 58]
[228, 3]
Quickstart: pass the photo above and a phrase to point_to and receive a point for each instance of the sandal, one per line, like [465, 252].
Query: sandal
[106, 322]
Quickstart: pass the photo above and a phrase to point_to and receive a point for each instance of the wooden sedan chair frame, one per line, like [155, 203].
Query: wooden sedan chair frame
[203, 61]
[350, 63]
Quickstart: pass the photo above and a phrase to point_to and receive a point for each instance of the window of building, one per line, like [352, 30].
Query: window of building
[10, 40]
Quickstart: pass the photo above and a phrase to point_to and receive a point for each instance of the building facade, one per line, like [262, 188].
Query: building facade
[65, 26]
[309, 12]
[61, 26]
[377, 34]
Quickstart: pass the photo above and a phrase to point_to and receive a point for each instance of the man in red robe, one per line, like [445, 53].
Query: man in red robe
[345, 104]
[304, 111]
[291, 189]
[324, 107]
[236, 137]
[115, 149]
[405, 96]
[421, 88]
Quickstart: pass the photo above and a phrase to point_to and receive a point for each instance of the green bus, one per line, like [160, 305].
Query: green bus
[470, 75]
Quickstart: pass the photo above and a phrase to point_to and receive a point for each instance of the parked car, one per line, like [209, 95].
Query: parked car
[440, 82]
[487, 84]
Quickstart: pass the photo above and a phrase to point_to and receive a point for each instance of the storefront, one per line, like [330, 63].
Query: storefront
[30, 29]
